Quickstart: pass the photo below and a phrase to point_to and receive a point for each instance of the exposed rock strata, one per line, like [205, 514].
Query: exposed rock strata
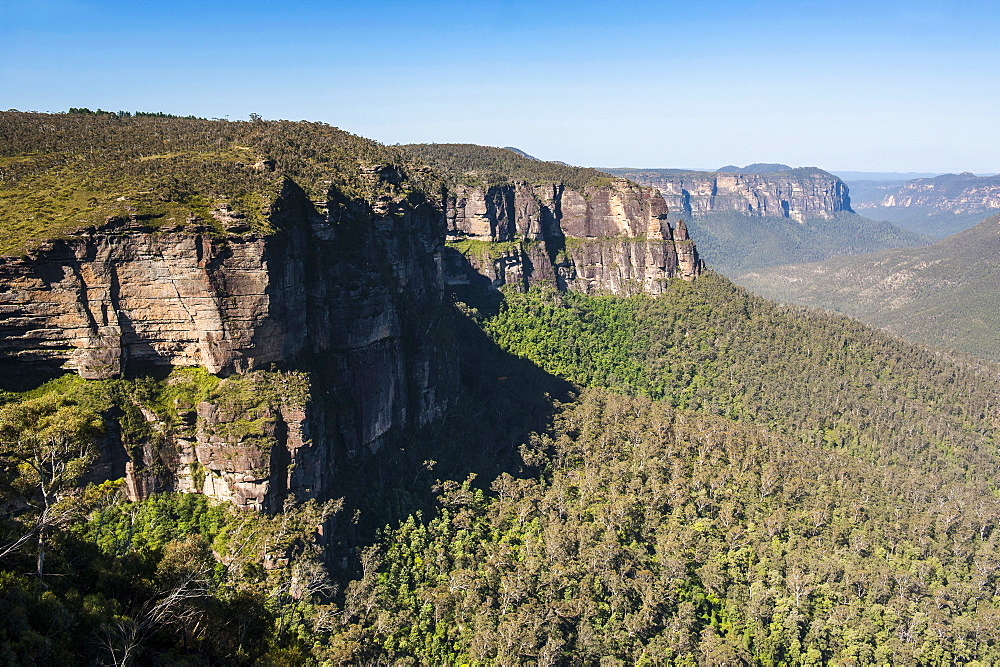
[612, 238]
[955, 193]
[798, 194]
[354, 290]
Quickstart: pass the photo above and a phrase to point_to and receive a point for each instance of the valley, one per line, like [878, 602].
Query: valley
[275, 393]
[768, 214]
[942, 294]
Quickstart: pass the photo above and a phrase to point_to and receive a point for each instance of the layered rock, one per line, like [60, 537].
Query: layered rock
[612, 237]
[798, 194]
[350, 290]
[954, 193]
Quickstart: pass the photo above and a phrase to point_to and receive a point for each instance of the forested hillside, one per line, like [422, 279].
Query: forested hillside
[733, 243]
[741, 482]
[699, 477]
[802, 490]
[944, 294]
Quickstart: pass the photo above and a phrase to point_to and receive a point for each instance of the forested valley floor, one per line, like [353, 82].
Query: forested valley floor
[703, 477]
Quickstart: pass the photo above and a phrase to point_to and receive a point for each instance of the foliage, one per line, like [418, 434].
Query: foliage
[62, 172]
[663, 537]
[943, 294]
[487, 166]
[734, 243]
[172, 577]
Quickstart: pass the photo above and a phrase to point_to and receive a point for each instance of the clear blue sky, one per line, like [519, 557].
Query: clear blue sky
[875, 85]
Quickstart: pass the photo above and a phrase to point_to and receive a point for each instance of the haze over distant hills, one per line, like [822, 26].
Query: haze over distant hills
[768, 214]
[937, 207]
[944, 294]
[849, 176]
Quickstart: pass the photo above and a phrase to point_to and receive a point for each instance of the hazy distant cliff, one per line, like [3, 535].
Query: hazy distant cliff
[955, 193]
[791, 193]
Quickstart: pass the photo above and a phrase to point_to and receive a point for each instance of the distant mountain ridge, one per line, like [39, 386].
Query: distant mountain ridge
[755, 168]
[957, 193]
[758, 190]
[938, 207]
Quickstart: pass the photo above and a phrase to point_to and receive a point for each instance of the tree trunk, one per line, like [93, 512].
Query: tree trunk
[41, 551]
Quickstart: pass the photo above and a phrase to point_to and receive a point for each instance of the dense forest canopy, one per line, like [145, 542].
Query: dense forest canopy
[703, 477]
[742, 482]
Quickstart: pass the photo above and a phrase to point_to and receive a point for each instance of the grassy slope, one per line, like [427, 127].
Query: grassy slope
[944, 294]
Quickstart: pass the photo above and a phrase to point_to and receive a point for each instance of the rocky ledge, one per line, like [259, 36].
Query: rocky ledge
[612, 237]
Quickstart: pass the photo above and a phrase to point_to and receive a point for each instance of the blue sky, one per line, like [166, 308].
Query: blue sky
[887, 86]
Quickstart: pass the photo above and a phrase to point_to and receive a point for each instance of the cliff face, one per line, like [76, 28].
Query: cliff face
[797, 194]
[301, 265]
[612, 237]
[355, 289]
[954, 193]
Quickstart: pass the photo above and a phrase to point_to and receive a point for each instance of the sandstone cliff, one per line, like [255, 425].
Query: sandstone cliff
[955, 193]
[612, 237]
[304, 266]
[514, 220]
[355, 290]
[798, 194]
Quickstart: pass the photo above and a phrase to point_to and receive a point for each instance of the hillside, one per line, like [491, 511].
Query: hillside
[747, 218]
[769, 507]
[733, 243]
[943, 294]
[933, 206]
[353, 405]
[62, 172]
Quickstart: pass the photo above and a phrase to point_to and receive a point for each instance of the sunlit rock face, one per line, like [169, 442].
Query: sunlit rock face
[612, 238]
[798, 194]
[346, 291]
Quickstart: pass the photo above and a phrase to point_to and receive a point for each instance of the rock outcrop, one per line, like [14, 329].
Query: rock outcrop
[954, 193]
[354, 289]
[798, 194]
[321, 315]
[612, 237]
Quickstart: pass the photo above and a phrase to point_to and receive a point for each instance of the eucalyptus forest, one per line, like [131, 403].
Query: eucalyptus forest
[700, 477]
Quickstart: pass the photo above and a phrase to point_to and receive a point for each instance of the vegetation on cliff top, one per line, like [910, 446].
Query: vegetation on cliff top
[780, 170]
[61, 172]
[486, 166]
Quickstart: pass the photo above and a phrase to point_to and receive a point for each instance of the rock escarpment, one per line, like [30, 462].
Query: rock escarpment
[612, 237]
[353, 292]
[955, 193]
[798, 194]
[302, 269]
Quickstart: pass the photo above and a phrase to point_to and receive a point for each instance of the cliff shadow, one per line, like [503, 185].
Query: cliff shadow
[503, 399]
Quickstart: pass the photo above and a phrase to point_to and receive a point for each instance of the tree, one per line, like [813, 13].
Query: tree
[46, 445]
